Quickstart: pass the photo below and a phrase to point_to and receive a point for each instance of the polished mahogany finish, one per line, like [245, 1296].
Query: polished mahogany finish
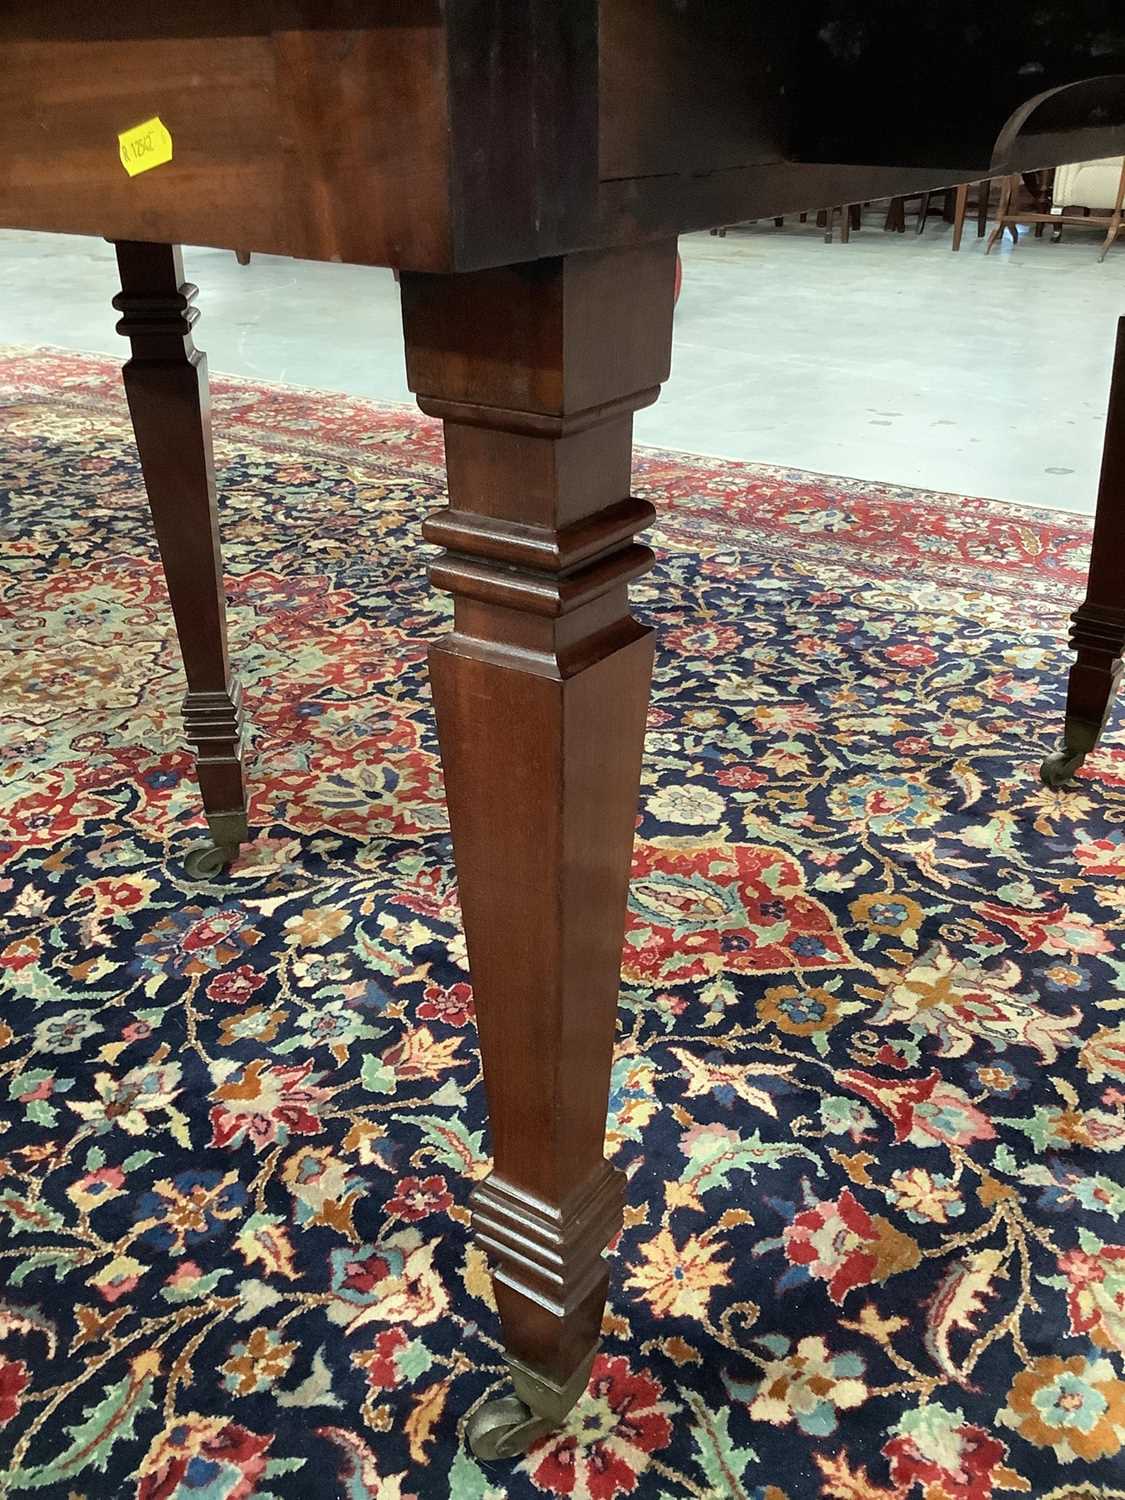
[541, 692]
[526, 165]
[454, 136]
[166, 386]
[1098, 624]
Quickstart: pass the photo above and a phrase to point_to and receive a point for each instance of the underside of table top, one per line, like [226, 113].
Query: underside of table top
[452, 136]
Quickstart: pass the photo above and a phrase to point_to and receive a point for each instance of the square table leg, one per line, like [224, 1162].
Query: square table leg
[1098, 624]
[541, 693]
[166, 387]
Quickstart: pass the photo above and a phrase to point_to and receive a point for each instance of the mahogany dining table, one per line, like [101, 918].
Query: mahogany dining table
[526, 167]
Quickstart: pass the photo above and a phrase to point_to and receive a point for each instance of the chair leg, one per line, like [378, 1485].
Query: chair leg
[984, 192]
[1115, 218]
[1001, 213]
[923, 213]
[845, 224]
[959, 214]
[166, 387]
[1098, 628]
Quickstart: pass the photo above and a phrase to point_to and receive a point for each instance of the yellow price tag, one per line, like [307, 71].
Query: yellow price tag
[145, 146]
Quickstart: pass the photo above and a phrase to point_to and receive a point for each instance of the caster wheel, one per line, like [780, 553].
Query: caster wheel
[1060, 767]
[207, 860]
[504, 1428]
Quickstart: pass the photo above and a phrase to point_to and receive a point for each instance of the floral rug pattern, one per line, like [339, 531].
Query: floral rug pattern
[870, 1079]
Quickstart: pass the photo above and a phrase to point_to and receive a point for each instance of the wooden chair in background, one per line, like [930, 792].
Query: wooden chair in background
[851, 217]
[960, 208]
[954, 207]
[895, 220]
[1010, 215]
[1080, 188]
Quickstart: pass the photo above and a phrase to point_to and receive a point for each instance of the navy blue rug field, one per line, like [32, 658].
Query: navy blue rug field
[870, 1078]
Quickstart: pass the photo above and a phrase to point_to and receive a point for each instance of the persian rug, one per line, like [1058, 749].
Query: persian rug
[869, 1088]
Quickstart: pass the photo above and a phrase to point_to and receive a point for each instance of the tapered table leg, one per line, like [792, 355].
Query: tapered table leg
[1098, 624]
[541, 693]
[166, 386]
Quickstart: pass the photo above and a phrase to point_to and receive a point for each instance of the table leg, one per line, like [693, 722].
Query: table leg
[984, 191]
[166, 387]
[541, 693]
[1098, 628]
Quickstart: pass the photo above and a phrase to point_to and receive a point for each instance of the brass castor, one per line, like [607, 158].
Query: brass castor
[508, 1425]
[228, 830]
[1061, 766]
[504, 1428]
[206, 860]
[1079, 738]
[1080, 734]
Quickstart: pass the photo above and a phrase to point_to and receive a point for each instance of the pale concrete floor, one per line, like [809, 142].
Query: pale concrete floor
[889, 358]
